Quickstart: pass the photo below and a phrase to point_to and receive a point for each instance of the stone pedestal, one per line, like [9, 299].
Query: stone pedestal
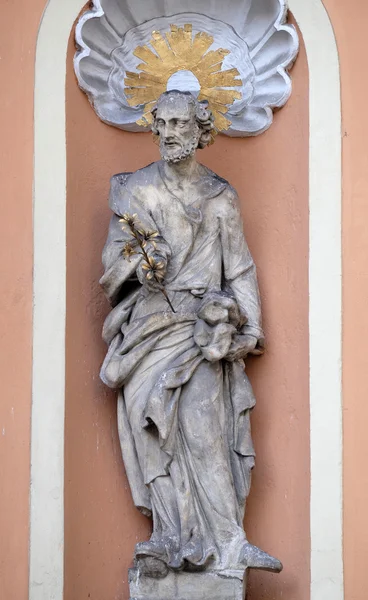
[229, 585]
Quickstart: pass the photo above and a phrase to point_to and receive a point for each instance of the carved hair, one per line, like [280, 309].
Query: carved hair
[203, 114]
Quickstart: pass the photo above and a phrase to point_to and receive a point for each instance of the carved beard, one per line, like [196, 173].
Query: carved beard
[176, 155]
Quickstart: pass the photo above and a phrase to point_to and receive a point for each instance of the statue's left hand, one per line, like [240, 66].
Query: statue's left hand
[241, 345]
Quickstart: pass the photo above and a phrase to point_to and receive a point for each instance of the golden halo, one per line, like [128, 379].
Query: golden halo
[178, 51]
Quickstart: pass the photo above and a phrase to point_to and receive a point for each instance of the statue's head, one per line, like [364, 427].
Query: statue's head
[182, 123]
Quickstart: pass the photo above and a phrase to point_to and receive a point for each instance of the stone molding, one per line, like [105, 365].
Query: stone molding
[263, 47]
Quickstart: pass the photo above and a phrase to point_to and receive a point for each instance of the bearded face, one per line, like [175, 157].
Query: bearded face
[174, 149]
[177, 128]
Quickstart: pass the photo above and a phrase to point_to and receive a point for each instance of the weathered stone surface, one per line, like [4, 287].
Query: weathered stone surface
[186, 312]
[189, 586]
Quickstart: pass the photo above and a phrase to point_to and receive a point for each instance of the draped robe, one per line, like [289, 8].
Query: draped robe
[183, 415]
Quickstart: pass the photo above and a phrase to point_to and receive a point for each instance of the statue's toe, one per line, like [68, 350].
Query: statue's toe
[254, 558]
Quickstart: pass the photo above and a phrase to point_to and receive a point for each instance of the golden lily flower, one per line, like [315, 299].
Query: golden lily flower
[128, 251]
[150, 235]
[128, 219]
[154, 270]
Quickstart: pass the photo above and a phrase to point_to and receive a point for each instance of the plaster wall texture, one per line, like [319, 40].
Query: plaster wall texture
[350, 21]
[18, 34]
[270, 174]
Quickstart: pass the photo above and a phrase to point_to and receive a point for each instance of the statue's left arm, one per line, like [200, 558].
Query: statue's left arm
[240, 277]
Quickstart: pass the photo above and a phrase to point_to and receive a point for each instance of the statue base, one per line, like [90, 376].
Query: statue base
[210, 585]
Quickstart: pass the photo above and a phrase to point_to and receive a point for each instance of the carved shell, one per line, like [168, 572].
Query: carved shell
[249, 40]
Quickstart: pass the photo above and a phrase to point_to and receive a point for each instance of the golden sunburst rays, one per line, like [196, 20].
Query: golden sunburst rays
[178, 51]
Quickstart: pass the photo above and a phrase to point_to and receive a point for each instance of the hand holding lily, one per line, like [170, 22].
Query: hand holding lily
[144, 243]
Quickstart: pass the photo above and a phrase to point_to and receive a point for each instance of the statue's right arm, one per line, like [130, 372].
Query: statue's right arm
[120, 271]
[117, 269]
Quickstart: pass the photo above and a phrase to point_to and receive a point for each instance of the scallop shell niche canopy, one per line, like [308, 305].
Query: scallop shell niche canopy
[235, 55]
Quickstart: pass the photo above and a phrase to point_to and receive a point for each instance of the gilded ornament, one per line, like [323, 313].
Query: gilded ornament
[179, 51]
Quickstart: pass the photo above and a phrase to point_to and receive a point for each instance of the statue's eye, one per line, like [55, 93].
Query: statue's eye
[160, 122]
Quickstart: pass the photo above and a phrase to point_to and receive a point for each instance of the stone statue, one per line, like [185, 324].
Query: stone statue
[182, 322]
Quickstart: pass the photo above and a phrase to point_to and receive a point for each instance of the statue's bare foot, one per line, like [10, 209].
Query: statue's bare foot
[152, 567]
[255, 558]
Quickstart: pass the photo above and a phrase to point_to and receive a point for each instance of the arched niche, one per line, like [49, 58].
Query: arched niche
[50, 313]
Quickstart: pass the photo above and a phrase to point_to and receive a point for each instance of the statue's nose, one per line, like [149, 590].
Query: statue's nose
[168, 132]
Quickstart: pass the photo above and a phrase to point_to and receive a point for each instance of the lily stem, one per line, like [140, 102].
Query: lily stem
[146, 258]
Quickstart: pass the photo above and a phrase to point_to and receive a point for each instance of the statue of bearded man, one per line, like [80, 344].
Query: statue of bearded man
[184, 399]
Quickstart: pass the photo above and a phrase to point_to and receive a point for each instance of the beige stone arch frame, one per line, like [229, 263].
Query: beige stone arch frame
[325, 318]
